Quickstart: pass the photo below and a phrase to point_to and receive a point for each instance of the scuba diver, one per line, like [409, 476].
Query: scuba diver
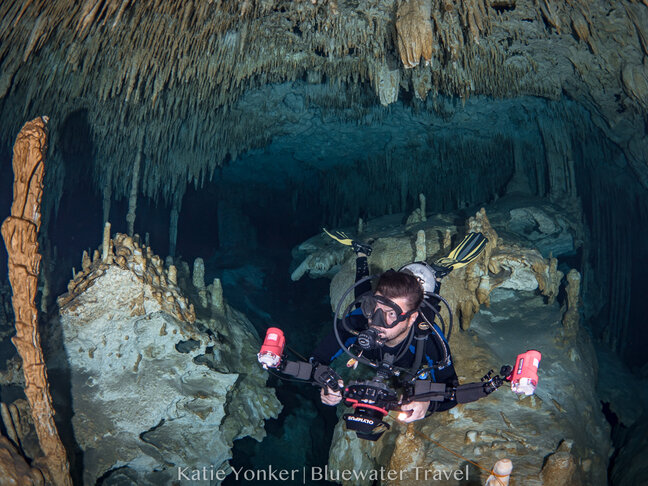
[392, 329]
[396, 322]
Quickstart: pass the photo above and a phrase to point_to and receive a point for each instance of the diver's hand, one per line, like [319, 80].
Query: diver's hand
[332, 397]
[416, 411]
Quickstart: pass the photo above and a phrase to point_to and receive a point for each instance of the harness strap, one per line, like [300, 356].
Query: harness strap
[418, 357]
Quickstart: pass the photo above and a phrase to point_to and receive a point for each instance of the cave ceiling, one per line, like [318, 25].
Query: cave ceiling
[190, 85]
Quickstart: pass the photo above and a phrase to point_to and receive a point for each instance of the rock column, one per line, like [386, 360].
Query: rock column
[20, 233]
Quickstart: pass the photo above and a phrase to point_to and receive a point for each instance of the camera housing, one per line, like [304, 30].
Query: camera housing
[371, 401]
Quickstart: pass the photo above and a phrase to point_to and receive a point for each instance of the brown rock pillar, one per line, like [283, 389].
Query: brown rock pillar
[20, 232]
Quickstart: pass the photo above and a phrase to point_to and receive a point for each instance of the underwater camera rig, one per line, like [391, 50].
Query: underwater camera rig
[372, 400]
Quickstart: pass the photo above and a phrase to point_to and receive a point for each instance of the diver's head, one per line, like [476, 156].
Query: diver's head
[402, 286]
[393, 308]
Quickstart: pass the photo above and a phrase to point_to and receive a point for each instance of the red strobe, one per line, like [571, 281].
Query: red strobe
[272, 348]
[524, 378]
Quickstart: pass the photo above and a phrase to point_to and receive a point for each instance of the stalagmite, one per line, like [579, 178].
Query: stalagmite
[360, 226]
[217, 294]
[172, 275]
[8, 423]
[20, 232]
[447, 239]
[570, 319]
[105, 245]
[421, 251]
[198, 279]
[502, 470]
[85, 261]
[422, 203]
[484, 289]
[132, 200]
[198, 276]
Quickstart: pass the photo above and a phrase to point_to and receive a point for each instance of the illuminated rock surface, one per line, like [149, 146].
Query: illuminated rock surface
[154, 388]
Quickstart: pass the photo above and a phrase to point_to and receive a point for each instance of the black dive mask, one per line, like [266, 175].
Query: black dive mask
[378, 317]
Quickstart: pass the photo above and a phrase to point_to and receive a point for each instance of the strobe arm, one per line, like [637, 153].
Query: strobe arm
[319, 375]
[440, 392]
[424, 390]
[298, 369]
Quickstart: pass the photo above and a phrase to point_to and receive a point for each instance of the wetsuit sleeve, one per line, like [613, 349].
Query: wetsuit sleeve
[328, 349]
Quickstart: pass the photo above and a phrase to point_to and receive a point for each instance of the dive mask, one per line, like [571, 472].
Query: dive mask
[387, 318]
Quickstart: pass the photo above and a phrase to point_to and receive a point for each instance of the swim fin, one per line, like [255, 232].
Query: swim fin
[358, 247]
[470, 248]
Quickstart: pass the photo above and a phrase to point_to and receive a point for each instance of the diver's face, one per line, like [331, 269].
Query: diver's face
[394, 335]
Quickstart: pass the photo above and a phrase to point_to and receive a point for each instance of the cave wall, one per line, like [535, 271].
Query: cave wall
[168, 92]
[187, 87]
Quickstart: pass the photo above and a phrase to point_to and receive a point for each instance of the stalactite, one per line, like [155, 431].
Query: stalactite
[20, 232]
[173, 221]
[132, 200]
[414, 31]
[200, 86]
[107, 193]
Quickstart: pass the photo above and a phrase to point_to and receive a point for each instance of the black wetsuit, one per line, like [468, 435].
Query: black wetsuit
[436, 349]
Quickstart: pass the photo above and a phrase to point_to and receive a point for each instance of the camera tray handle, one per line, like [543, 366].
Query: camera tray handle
[325, 377]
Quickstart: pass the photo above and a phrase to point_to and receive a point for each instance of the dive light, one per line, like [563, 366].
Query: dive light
[524, 378]
[272, 349]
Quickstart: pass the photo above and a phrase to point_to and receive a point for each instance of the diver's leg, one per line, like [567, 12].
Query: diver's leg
[362, 271]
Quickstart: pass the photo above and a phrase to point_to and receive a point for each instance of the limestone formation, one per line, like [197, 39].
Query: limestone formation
[126, 254]
[571, 318]
[198, 279]
[447, 239]
[422, 207]
[502, 470]
[15, 471]
[561, 468]
[414, 30]
[502, 264]
[153, 388]
[17, 419]
[421, 251]
[589, 50]
[20, 232]
[132, 200]
[216, 292]
[545, 228]
[387, 83]
[319, 264]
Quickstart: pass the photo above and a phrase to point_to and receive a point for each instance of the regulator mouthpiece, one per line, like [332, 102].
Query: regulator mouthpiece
[524, 378]
[272, 348]
[368, 339]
